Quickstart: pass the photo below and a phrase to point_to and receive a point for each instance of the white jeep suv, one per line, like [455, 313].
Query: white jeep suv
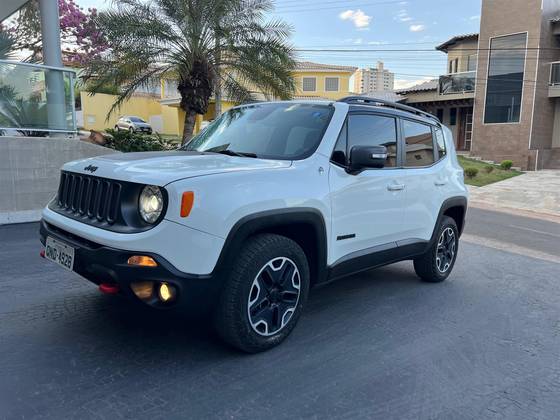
[268, 201]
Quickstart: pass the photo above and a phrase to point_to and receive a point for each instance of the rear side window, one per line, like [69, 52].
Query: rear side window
[440, 143]
[419, 144]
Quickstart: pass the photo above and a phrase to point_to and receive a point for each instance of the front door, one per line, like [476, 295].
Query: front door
[367, 208]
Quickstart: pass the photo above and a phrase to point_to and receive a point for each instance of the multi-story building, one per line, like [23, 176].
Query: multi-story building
[373, 79]
[501, 96]
[322, 81]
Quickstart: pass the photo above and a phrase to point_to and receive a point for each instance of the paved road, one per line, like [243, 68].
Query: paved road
[484, 345]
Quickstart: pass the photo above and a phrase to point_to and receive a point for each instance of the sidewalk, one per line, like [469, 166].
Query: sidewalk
[533, 194]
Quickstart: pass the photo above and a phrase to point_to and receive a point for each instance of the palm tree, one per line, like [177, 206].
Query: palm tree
[7, 45]
[207, 45]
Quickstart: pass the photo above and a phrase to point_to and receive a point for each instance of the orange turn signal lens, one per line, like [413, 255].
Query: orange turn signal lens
[142, 260]
[187, 203]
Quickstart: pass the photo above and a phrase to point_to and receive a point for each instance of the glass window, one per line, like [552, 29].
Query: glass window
[505, 79]
[374, 130]
[331, 84]
[270, 131]
[453, 116]
[440, 142]
[309, 84]
[339, 152]
[440, 114]
[472, 62]
[419, 144]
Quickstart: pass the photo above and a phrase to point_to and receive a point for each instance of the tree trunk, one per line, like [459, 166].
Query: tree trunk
[218, 82]
[188, 126]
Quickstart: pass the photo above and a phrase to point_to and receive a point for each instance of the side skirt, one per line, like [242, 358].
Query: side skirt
[377, 256]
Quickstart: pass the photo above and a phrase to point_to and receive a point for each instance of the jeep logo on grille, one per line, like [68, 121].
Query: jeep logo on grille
[90, 168]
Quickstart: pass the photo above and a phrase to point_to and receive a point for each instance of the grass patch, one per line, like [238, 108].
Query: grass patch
[485, 175]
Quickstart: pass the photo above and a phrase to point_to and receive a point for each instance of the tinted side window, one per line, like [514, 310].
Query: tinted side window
[374, 130]
[339, 152]
[440, 142]
[419, 144]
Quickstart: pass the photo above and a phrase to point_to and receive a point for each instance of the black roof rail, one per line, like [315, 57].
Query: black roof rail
[366, 100]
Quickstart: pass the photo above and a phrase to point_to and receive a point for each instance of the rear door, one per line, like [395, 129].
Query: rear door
[367, 208]
[423, 178]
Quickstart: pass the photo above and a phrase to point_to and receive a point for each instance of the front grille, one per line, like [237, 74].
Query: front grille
[90, 197]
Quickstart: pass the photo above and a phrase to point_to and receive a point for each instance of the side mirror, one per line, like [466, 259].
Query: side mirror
[367, 157]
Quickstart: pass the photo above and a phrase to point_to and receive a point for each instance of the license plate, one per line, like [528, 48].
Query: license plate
[60, 253]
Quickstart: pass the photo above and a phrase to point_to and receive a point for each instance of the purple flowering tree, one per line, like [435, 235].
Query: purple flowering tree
[79, 35]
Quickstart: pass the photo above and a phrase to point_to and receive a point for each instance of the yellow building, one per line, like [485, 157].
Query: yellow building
[162, 110]
[322, 81]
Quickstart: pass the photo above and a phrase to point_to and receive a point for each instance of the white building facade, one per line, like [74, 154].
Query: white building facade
[373, 79]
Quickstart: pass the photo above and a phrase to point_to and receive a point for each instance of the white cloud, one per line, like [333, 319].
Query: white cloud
[402, 16]
[358, 17]
[477, 17]
[417, 28]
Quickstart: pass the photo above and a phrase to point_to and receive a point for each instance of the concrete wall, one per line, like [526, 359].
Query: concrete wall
[29, 172]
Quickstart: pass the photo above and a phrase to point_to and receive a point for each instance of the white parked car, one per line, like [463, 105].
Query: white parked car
[133, 124]
[270, 200]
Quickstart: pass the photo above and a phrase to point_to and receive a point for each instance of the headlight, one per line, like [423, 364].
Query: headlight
[150, 203]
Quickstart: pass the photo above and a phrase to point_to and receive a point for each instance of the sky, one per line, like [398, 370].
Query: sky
[379, 25]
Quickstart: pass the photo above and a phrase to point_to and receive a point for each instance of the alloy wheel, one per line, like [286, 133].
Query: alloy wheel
[274, 296]
[447, 244]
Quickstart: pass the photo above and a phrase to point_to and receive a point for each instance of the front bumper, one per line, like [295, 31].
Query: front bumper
[102, 264]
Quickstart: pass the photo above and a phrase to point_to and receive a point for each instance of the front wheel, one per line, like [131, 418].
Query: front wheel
[264, 293]
[436, 264]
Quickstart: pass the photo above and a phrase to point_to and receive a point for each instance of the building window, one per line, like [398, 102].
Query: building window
[472, 61]
[331, 84]
[504, 89]
[309, 84]
[419, 144]
[439, 114]
[453, 116]
[454, 66]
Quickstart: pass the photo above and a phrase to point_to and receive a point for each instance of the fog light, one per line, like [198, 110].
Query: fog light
[143, 289]
[142, 260]
[166, 292]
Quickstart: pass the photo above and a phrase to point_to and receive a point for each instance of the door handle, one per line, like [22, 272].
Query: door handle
[395, 187]
[440, 183]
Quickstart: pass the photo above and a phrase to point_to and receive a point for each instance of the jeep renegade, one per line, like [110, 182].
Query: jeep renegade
[266, 202]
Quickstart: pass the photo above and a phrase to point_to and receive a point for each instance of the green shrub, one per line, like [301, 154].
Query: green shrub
[506, 165]
[471, 172]
[488, 169]
[125, 141]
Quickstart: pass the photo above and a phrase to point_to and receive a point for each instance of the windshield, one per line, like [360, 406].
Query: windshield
[288, 131]
[136, 119]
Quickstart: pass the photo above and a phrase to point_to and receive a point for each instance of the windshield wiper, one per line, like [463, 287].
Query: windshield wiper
[233, 153]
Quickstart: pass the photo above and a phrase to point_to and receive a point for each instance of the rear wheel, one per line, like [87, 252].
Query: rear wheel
[437, 263]
[116, 128]
[264, 293]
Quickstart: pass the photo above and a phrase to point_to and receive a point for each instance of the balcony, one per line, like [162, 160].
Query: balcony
[36, 99]
[554, 82]
[457, 83]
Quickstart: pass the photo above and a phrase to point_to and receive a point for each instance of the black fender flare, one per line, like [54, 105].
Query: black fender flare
[274, 221]
[459, 201]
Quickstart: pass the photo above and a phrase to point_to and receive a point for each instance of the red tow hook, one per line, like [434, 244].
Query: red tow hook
[109, 289]
[42, 253]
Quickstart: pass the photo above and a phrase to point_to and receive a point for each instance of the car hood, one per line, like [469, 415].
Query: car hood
[161, 168]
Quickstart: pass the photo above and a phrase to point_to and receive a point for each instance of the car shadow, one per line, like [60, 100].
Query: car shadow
[134, 326]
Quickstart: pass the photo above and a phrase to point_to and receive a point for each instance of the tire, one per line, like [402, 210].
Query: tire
[257, 292]
[131, 130]
[435, 267]
[116, 128]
